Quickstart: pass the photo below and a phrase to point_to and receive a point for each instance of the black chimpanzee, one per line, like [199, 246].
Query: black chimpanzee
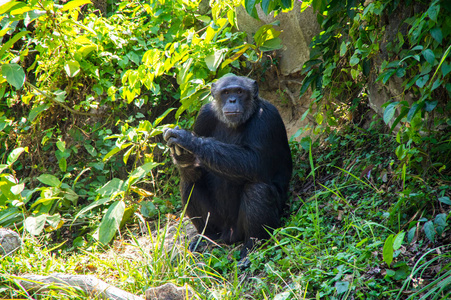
[235, 166]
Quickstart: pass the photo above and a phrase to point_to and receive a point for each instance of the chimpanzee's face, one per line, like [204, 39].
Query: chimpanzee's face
[234, 99]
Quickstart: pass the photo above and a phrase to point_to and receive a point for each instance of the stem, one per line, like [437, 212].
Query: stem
[60, 103]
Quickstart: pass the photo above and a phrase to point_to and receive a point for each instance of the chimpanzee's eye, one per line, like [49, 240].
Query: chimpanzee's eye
[239, 92]
[226, 92]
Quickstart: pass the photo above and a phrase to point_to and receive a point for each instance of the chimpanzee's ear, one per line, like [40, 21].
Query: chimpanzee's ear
[213, 90]
[255, 89]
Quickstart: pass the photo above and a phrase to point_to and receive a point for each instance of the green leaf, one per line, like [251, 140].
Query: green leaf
[35, 225]
[37, 110]
[110, 222]
[287, 3]
[446, 68]
[429, 55]
[92, 205]
[148, 209]
[387, 252]
[266, 4]
[162, 116]
[9, 5]
[354, 60]
[422, 81]
[73, 4]
[14, 155]
[433, 12]
[271, 45]
[113, 186]
[436, 33]
[14, 74]
[214, 60]
[250, 6]
[429, 230]
[91, 150]
[49, 180]
[305, 142]
[343, 48]
[401, 72]
[72, 68]
[61, 146]
[430, 105]
[341, 286]
[62, 163]
[445, 200]
[440, 223]
[413, 111]
[399, 238]
[282, 296]
[411, 234]
[389, 111]
[10, 43]
[140, 172]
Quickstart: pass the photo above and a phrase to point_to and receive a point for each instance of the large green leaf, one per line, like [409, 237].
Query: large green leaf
[35, 225]
[37, 110]
[389, 111]
[387, 252]
[72, 68]
[429, 230]
[73, 4]
[14, 155]
[341, 286]
[10, 43]
[49, 180]
[14, 74]
[110, 222]
[115, 185]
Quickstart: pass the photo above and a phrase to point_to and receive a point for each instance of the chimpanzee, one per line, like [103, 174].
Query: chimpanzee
[235, 166]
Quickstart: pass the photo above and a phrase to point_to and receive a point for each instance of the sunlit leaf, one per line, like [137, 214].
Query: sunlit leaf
[72, 68]
[35, 225]
[110, 222]
[14, 155]
[49, 179]
[74, 4]
[14, 74]
[387, 252]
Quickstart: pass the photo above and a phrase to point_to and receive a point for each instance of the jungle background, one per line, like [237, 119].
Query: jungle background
[87, 88]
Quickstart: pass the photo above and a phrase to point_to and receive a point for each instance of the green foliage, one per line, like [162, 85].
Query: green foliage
[78, 89]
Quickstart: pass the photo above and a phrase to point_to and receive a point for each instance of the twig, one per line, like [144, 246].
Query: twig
[60, 103]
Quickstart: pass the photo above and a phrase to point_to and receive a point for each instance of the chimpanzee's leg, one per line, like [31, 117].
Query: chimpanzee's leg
[260, 211]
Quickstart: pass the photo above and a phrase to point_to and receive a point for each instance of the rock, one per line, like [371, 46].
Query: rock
[169, 291]
[298, 30]
[9, 241]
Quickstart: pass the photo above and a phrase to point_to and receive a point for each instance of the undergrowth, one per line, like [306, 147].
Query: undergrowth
[332, 245]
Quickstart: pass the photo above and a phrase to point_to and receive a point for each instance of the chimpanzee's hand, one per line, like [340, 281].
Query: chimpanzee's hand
[175, 138]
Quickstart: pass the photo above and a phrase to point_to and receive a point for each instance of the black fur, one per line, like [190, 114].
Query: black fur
[236, 165]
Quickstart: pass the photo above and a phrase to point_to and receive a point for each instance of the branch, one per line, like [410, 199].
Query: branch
[60, 103]
[92, 286]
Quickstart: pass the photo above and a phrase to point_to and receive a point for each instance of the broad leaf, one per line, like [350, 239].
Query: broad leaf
[49, 180]
[429, 230]
[14, 155]
[389, 111]
[73, 4]
[341, 286]
[72, 68]
[399, 238]
[110, 222]
[35, 225]
[387, 252]
[14, 74]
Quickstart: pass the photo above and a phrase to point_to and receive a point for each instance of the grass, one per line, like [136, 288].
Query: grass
[331, 246]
